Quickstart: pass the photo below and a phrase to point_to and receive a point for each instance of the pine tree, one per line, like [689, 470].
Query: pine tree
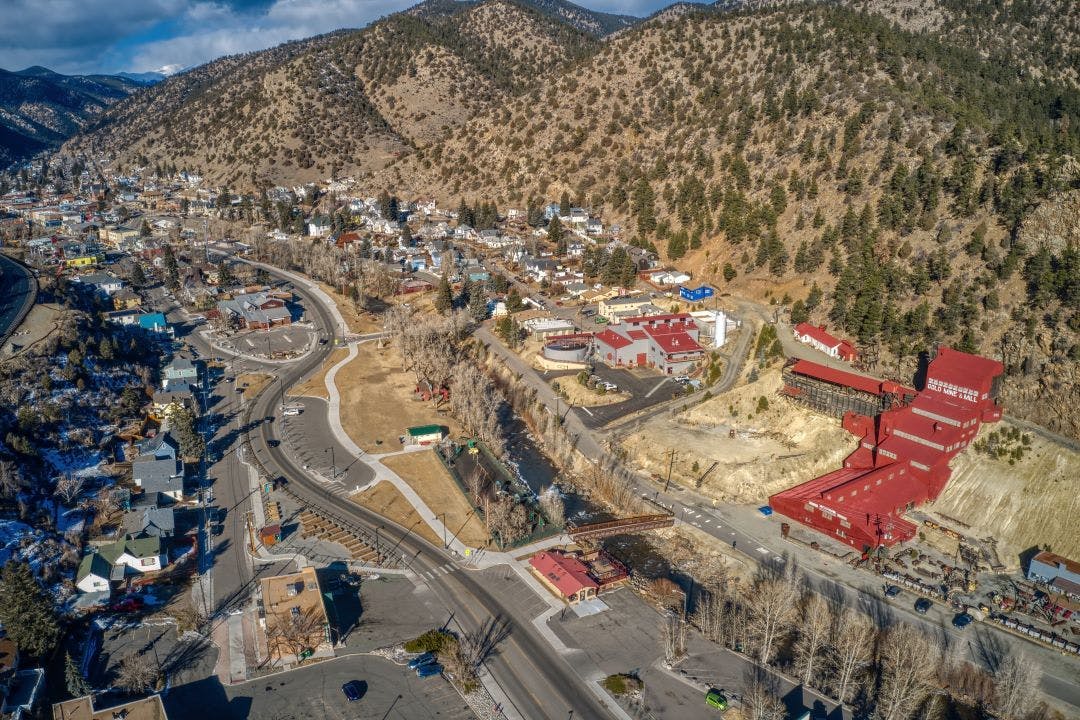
[564, 205]
[182, 426]
[137, 276]
[444, 296]
[76, 684]
[477, 303]
[26, 612]
[557, 235]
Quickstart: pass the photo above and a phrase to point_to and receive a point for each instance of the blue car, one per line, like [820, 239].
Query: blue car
[428, 670]
[353, 690]
[421, 660]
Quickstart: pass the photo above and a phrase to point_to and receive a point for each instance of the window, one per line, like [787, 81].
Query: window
[147, 562]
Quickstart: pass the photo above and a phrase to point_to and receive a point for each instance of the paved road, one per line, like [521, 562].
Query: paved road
[20, 289]
[538, 681]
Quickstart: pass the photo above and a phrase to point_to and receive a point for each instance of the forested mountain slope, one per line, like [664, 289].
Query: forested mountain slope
[781, 148]
[342, 103]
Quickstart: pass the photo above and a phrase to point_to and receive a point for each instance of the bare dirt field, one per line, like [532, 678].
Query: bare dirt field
[315, 386]
[378, 402]
[578, 394]
[386, 500]
[773, 449]
[1031, 503]
[357, 322]
[40, 322]
[253, 383]
[427, 476]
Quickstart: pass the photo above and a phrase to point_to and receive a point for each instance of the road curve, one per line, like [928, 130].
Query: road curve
[20, 291]
[540, 682]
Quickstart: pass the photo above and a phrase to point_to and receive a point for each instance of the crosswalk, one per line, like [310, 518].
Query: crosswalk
[444, 569]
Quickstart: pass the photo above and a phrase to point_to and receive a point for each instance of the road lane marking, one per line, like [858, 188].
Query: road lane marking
[763, 551]
[588, 411]
[658, 385]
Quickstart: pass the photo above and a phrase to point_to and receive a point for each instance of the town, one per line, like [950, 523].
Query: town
[531, 360]
[302, 451]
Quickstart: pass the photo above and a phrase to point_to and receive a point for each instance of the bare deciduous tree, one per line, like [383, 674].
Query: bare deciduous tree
[852, 647]
[1017, 679]
[817, 620]
[673, 631]
[760, 703]
[137, 673]
[773, 607]
[301, 631]
[909, 661]
[551, 503]
[68, 487]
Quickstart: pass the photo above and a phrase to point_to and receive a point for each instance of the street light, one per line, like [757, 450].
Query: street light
[333, 463]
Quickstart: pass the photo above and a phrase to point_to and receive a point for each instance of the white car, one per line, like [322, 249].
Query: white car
[610, 386]
[681, 379]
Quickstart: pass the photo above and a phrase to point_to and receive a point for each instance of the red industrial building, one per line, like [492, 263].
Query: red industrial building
[816, 336]
[904, 450]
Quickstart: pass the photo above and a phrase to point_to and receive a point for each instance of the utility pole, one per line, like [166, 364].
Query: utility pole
[671, 461]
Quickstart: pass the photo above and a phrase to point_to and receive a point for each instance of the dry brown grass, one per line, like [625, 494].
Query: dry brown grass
[315, 386]
[355, 321]
[377, 400]
[253, 383]
[427, 476]
[578, 394]
[387, 500]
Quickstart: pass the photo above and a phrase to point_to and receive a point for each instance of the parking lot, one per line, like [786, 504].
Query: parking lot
[388, 690]
[116, 637]
[646, 387]
[287, 340]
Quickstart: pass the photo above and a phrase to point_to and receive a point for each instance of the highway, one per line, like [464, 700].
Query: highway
[539, 682]
[18, 296]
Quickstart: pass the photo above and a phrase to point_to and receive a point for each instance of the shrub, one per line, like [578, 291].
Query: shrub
[431, 641]
[621, 684]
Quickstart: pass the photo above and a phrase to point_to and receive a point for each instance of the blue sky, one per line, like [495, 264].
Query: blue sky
[87, 36]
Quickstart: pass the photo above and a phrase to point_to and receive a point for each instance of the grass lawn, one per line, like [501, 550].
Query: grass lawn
[252, 383]
[315, 386]
[385, 499]
[378, 403]
[427, 476]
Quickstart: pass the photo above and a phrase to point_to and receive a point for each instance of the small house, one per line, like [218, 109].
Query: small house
[425, 434]
[94, 574]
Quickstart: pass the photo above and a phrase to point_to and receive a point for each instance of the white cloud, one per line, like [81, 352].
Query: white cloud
[210, 30]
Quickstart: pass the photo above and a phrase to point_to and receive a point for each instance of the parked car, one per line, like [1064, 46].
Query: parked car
[609, 386]
[273, 443]
[891, 591]
[428, 670]
[681, 379]
[922, 605]
[421, 660]
[353, 690]
[962, 620]
[716, 699]
[128, 604]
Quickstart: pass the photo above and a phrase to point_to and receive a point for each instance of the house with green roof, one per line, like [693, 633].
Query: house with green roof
[137, 553]
[94, 574]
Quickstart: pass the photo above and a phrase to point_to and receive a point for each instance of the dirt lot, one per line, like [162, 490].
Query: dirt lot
[578, 394]
[772, 450]
[253, 383]
[315, 386]
[1031, 503]
[385, 499]
[357, 322]
[427, 476]
[378, 403]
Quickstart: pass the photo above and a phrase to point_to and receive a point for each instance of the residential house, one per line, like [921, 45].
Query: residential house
[105, 283]
[180, 370]
[164, 477]
[134, 554]
[575, 289]
[148, 708]
[295, 601]
[607, 308]
[94, 574]
[551, 210]
[161, 446]
[539, 268]
[816, 337]
[156, 323]
[124, 317]
[594, 227]
[178, 395]
[23, 694]
[158, 522]
[319, 226]
[126, 299]
[121, 236]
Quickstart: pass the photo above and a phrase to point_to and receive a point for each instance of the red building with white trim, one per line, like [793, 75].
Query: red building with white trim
[815, 336]
[665, 342]
[903, 455]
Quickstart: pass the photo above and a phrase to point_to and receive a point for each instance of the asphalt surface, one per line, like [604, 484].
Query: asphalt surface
[537, 680]
[20, 289]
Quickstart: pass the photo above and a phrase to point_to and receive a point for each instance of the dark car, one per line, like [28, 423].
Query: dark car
[421, 660]
[273, 443]
[353, 690]
[962, 620]
[891, 591]
[428, 670]
[922, 605]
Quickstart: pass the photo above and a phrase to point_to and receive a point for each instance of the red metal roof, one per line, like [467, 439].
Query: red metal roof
[675, 342]
[637, 334]
[839, 377]
[612, 339]
[817, 332]
[568, 574]
[962, 368]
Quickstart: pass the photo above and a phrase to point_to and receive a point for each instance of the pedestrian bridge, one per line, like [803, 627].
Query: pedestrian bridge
[638, 523]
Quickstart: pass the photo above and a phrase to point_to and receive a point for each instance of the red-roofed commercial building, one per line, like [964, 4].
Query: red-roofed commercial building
[903, 455]
[565, 575]
[815, 336]
[665, 342]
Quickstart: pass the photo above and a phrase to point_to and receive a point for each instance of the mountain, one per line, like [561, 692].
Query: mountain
[39, 108]
[143, 78]
[905, 173]
[597, 24]
[346, 103]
